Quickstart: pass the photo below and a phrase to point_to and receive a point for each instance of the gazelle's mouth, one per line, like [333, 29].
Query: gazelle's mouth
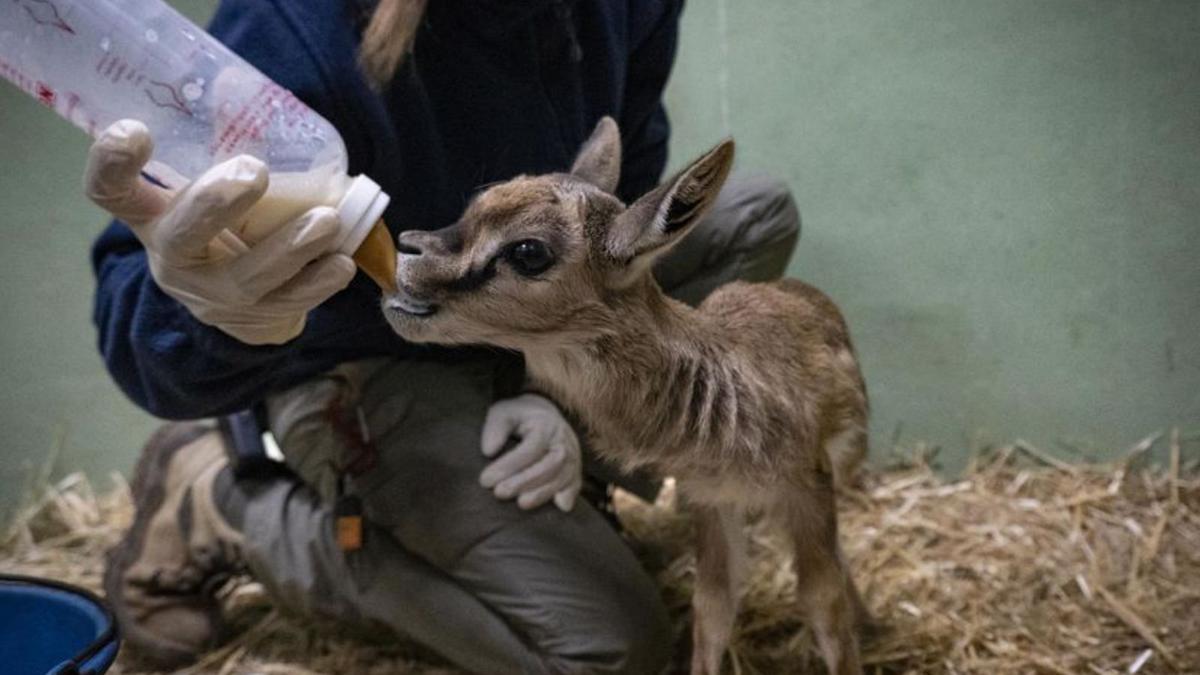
[403, 302]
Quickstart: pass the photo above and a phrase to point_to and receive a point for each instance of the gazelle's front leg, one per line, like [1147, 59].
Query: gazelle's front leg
[720, 550]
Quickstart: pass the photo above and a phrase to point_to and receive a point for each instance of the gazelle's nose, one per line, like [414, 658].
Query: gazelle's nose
[409, 243]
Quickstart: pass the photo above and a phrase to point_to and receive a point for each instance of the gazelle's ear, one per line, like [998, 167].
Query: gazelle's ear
[599, 160]
[657, 221]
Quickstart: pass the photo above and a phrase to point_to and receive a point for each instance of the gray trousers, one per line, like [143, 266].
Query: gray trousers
[494, 589]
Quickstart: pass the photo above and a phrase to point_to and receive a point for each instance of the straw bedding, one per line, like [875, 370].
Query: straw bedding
[1023, 564]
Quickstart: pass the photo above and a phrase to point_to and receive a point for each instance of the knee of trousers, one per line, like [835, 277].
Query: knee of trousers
[635, 639]
[573, 589]
[772, 220]
[426, 419]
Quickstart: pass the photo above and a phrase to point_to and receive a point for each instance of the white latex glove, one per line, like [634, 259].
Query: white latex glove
[259, 295]
[546, 461]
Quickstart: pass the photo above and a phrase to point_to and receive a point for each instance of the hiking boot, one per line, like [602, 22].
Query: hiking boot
[162, 578]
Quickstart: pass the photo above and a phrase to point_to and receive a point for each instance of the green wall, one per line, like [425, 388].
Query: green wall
[59, 410]
[1002, 194]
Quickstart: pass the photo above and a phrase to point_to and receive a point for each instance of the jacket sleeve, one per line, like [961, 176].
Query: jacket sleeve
[644, 125]
[161, 356]
[165, 360]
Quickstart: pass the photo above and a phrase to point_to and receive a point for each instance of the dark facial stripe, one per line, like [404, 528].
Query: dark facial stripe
[451, 237]
[474, 279]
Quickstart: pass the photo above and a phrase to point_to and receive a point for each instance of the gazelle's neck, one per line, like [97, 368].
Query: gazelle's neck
[642, 330]
[653, 380]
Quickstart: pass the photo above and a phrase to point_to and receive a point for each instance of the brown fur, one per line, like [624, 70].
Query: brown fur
[754, 400]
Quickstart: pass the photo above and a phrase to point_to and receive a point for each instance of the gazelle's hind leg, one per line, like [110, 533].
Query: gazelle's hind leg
[720, 553]
[828, 599]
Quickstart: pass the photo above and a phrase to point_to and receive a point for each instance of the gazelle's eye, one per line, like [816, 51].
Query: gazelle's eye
[529, 257]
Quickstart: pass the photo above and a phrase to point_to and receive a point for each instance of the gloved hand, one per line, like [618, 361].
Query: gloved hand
[545, 463]
[259, 295]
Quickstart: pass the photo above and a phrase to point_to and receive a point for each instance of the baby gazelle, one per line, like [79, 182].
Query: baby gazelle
[754, 401]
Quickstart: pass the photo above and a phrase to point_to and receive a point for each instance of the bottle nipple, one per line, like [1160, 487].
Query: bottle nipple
[376, 257]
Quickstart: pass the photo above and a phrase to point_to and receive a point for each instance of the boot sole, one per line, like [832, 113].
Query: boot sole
[148, 494]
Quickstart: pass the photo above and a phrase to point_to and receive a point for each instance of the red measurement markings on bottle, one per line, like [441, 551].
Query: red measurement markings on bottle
[38, 89]
[46, 95]
[75, 112]
[247, 126]
[46, 13]
[9, 72]
[72, 105]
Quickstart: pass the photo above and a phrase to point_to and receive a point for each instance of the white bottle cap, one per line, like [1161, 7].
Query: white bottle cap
[361, 207]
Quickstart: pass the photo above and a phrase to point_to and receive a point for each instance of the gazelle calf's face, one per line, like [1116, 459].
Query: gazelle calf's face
[516, 266]
[539, 256]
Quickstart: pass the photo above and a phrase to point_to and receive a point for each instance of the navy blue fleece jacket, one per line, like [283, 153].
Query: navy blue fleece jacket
[495, 88]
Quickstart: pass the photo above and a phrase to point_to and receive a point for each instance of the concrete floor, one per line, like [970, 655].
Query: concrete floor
[1003, 195]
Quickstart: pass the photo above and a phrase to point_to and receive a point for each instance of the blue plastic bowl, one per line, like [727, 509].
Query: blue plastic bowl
[51, 628]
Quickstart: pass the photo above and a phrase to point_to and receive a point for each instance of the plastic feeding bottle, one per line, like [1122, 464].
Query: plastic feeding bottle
[98, 61]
